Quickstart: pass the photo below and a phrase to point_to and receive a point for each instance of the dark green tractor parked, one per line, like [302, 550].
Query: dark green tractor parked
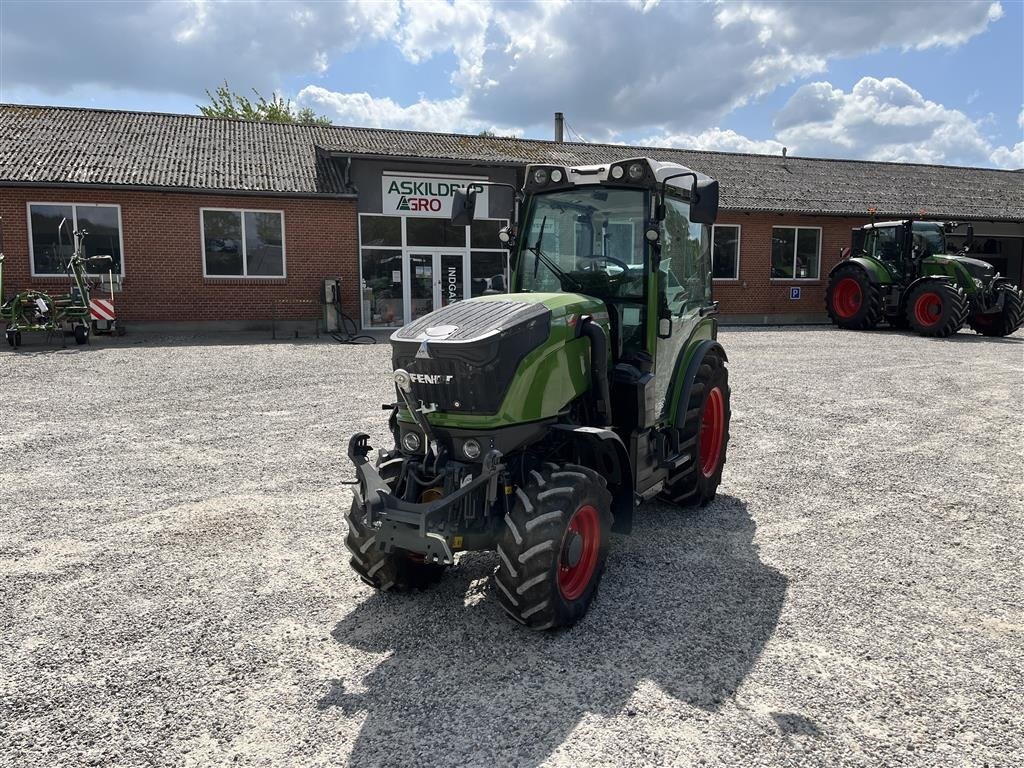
[904, 273]
[532, 423]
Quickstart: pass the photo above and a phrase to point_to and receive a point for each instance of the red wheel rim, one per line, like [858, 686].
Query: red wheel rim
[928, 308]
[712, 432]
[573, 579]
[846, 298]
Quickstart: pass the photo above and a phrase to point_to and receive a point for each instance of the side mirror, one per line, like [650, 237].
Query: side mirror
[704, 208]
[463, 208]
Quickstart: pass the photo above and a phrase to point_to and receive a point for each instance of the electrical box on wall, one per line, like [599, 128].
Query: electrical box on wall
[330, 298]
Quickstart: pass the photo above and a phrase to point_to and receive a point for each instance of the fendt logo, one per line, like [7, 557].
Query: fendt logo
[430, 378]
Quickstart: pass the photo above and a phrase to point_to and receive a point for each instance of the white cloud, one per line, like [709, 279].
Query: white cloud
[884, 120]
[362, 109]
[184, 48]
[715, 139]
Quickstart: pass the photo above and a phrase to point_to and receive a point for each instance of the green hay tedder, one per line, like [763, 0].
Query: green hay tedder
[42, 312]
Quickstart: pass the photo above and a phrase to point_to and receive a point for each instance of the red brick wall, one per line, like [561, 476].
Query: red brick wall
[755, 292]
[163, 260]
[164, 272]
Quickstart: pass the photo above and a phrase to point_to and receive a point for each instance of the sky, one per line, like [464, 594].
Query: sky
[930, 82]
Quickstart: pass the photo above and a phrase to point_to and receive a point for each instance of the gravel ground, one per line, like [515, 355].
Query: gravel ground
[175, 589]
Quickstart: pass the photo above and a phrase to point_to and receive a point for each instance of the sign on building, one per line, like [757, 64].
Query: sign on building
[428, 195]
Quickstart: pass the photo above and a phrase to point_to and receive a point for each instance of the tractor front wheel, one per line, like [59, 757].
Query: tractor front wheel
[704, 435]
[852, 300]
[1005, 322]
[936, 308]
[386, 570]
[552, 550]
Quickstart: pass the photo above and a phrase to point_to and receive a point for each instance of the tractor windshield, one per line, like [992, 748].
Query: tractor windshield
[588, 240]
[929, 238]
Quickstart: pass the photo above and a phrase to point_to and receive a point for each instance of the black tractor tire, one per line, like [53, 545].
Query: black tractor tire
[81, 334]
[852, 300]
[936, 308]
[395, 570]
[552, 550]
[704, 436]
[1002, 323]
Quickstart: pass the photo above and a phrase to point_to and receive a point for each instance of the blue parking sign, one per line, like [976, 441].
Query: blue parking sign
[794, 292]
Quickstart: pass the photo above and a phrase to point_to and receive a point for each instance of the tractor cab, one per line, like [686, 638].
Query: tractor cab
[636, 236]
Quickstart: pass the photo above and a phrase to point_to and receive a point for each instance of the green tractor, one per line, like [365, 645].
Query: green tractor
[531, 423]
[904, 273]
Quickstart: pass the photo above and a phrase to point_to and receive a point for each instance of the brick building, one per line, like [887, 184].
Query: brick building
[225, 222]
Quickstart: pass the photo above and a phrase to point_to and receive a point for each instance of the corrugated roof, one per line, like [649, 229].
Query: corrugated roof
[88, 146]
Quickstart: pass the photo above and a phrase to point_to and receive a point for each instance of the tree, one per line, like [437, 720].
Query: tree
[226, 103]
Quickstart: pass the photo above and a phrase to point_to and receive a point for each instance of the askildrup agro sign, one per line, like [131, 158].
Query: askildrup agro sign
[428, 195]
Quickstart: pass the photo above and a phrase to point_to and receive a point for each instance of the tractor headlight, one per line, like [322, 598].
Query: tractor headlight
[505, 234]
[540, 177]
[471, 449]
[618, 171]
[636, 171]
[411, 442]
[556, 176]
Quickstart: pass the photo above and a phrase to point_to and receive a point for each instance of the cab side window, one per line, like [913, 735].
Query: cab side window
[684, 279]
[884, 245]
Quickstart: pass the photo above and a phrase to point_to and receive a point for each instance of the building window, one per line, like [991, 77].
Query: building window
[796, 253]
[410, 265]
[239, 243]
[50, 247]
[725, 252]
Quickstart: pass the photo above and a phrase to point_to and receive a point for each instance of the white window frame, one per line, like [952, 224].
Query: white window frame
[245, 261]
[796, 241]
[407, 249]
[74, 227]
[739, 242]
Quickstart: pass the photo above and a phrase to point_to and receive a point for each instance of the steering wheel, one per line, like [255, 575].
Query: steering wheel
[611, 260]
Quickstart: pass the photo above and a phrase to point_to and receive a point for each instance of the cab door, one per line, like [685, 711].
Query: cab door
[680, 289]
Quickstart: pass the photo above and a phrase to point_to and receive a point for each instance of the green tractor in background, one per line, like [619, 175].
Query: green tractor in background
[532, 423]
[903, 272]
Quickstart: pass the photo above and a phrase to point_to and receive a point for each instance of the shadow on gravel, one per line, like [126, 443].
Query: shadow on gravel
[686, 604]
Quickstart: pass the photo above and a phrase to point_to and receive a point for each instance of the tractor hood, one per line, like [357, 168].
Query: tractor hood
[978, 269]
[463, 358]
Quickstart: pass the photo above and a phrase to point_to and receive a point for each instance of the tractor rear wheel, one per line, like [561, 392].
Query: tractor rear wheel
[852, 300]
[1005, 322]
[386, 570]
[552, 550]
[704, 436]
[937, 308]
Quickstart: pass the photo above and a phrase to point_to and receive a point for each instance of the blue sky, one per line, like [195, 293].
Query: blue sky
[905, 81]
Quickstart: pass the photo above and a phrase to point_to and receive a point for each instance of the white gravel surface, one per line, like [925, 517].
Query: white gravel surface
[174, 589]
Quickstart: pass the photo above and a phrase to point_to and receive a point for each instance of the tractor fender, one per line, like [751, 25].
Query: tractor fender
[876, 271]
[705, 348]
[925, 279]
[604, 452]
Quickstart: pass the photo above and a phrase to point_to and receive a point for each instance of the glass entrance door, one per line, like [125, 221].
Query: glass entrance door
[436, 279]
[422, 288]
